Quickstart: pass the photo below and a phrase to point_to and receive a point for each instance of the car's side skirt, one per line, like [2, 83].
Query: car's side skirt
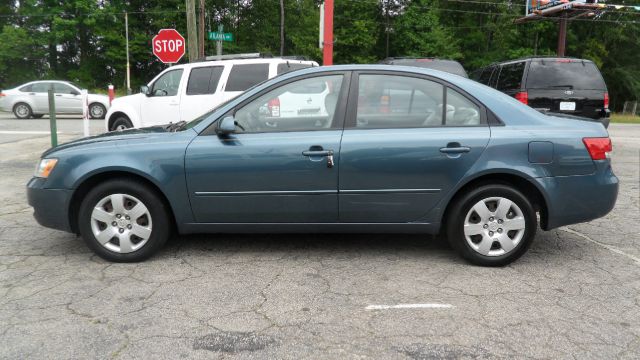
[255, 228]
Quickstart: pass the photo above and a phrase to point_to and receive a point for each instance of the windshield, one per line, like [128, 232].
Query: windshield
[564, 74]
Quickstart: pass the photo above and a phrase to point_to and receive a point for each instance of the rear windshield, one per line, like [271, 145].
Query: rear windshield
[564, 75]
[286, 67]
[449, 66]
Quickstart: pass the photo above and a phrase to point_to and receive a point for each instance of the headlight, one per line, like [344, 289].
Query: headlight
[45, 167]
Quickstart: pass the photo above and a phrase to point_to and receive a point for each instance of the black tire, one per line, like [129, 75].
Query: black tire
[22, 111]
[98, 109]
[462, 206]
[159, 213]
[120, 123]
[37, 116]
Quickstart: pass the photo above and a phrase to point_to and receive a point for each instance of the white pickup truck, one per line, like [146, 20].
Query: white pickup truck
[184, 92]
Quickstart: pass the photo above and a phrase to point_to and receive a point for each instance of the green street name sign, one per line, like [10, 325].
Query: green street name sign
[220, 36]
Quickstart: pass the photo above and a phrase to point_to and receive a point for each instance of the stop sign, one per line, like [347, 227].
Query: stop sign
[168, 46]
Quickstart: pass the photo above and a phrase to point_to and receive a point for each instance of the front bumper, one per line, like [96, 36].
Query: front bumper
[50, 206]
[580, 198]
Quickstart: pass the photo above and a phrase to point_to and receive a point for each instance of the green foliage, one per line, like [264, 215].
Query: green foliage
[84, 40]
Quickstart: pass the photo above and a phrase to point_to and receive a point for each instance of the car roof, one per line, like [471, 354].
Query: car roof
[245, 61]
[537, 58]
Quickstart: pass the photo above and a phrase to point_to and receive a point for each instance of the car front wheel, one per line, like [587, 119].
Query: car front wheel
[121, 123]
[97, 111]
[492, 225]
[123, 221]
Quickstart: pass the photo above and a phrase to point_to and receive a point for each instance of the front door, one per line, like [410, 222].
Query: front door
[272, 169]
[405, 146]
[162, 105]
[68, 100]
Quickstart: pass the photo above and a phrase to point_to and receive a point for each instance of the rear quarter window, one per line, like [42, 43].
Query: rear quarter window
[245, 76]
[511, 76]
[564, 74]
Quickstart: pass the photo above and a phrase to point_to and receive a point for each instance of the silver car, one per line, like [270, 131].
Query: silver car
[31, 100]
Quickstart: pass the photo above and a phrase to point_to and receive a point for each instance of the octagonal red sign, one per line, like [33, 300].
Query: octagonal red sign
[168, 46]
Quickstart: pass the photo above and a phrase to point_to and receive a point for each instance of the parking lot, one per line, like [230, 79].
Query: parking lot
[575, 294]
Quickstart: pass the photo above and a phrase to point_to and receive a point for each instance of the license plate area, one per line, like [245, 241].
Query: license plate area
[567, 105]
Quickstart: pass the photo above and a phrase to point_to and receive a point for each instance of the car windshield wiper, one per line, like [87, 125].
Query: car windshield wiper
[175, 126]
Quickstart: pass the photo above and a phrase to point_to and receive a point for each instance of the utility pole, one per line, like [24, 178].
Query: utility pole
[387, 27]
[126, 31]
[192, 36]
[327, 44]
[201, 30]
[281, 27]
[562, 34]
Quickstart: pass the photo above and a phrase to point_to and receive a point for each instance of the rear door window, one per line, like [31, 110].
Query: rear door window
[511, 76]
[245, 76]
[564, 74]
[204, 80]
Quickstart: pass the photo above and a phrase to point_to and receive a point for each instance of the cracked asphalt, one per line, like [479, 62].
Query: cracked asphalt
[575, 294]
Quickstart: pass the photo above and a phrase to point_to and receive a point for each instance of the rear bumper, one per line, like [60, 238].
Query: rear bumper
[50, 206]
[576, 199]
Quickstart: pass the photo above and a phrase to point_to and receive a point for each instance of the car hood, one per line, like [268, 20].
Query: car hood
[129, 134]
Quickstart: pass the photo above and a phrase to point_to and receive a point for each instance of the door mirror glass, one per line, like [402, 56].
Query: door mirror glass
[227, 125]
[144, 89]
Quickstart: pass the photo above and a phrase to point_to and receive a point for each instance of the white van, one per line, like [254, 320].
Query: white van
[184, 92]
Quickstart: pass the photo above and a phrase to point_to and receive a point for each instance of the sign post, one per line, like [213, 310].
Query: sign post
[52, 117]
[168, 46]
[85, 112]
[219, 37]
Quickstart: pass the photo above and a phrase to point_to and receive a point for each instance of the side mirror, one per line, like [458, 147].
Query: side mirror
[227, 125]
[145, 90]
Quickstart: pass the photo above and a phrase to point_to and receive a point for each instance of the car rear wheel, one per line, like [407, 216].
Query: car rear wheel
[22, 111]
[123, 221]
[97, 111]
[492, 225]
[121, 123]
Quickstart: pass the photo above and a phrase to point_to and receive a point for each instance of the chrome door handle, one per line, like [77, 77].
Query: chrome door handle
[317, 153]
[455, 150]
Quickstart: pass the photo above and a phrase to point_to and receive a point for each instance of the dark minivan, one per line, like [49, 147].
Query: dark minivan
[450, 66]
[550, 84]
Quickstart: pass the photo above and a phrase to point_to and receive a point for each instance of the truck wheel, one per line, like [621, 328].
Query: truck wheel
[121, 123]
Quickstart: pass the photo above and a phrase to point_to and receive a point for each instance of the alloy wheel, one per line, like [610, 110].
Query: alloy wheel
[121, 223]
[494, 226]
[22, 110]
[96, 111]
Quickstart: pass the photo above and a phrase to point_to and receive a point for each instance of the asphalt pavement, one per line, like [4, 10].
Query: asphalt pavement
[575, 294]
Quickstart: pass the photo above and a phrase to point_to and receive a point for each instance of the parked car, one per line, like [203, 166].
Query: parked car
[450, 66]
[481, 171]
[184, 92]
[551, 84]
[32, 100]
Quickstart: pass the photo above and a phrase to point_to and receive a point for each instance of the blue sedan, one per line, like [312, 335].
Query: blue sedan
[358, 148]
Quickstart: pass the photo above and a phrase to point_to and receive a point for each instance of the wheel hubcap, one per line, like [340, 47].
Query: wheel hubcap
[96, 111]
[494, 226]
[121, 223]
[22, 110]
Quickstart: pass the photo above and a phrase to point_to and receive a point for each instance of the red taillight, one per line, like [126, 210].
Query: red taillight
[599, 148]
[2, 94]
[523, 97]
[606, 100]
[274, 107]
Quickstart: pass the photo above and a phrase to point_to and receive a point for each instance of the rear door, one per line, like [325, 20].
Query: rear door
[203, 91]
[566, 85]
[40, 96]
[401, 151]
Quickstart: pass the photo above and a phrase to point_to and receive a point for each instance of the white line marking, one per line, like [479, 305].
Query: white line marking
[608, 247]
[27, 132]
[409, 306]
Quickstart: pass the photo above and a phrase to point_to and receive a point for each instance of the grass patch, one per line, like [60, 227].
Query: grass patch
[625, 119]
